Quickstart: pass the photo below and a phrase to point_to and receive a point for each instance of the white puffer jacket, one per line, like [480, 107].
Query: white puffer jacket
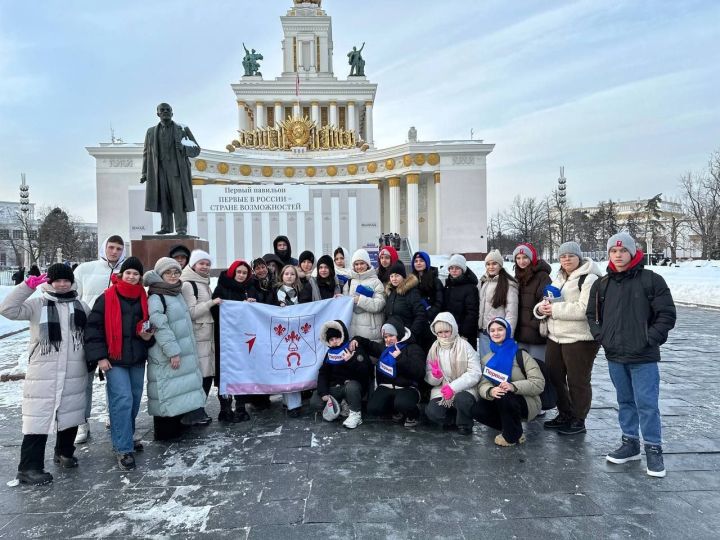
[368, 313]
[509, 311]
[568, 322]
[54, 387]
[203, 323]
[93, 277]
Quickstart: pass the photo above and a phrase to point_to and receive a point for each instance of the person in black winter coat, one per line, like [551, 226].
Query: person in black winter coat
[117, 338]
[532, 275]
[283, 249]
[431, 293]
[19, 276]
[462, 299]
[235, 284]
[325, 285]
[399, 370]
[404, 300]
[262, 281]
[343, 375]
[274, 265]
[631, 312]
[34, 270]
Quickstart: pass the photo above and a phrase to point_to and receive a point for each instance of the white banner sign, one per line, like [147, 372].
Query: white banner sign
[271, 350]
[256, 198]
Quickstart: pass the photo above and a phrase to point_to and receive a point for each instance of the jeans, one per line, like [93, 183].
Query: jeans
[535, 350]
[32, 451]
[458, 414]
[483, 344]
[638, 387]
[88, 395]
[124, 392]
[351, 392]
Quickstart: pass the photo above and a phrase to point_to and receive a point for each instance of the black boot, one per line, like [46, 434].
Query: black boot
[34, 478]
[226, 412]
[240, 413]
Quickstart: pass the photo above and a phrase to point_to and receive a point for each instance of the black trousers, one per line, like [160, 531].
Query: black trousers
[458, 414]
[351, 392]
[505, 414]
[166, 428]
[384, 401]
[32, 451]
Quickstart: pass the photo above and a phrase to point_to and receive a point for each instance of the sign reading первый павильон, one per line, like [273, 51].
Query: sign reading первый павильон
[256, 198]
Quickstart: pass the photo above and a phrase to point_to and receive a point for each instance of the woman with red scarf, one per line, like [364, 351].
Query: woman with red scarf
[117, 340]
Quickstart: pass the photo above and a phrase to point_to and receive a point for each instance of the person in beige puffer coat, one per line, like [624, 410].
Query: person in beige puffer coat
[571, 348]
[54, 386]
[369, 304]
[453, 371]
[197, 272]
[493, 303]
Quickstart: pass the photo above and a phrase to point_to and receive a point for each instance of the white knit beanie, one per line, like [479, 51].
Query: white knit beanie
[494, 256]
[198, 255]
[457, 260]
[362, 255]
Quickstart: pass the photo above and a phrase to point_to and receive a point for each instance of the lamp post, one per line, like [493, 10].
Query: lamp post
[24, 211]
[562, 201]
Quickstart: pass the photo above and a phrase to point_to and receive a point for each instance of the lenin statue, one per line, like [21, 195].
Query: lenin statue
[166, 169]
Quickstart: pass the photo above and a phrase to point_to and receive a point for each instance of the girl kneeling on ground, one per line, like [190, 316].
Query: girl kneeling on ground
[453, 371]
[509, 393]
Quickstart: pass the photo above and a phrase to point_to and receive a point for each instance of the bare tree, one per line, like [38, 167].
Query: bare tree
[527, 220]
[701, 202]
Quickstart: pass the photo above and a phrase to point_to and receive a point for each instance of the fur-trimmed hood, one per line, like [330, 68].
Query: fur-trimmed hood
[337, 325]
[408, 283]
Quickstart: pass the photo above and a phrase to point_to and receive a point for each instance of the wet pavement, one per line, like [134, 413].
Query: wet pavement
[277, 477]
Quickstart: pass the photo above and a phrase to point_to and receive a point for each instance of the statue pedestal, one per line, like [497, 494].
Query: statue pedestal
[152, 247]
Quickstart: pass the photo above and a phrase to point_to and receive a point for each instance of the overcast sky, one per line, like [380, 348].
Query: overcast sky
[623, 93]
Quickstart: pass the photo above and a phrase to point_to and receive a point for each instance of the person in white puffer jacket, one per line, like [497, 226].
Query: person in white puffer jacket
[369, 301]
[91, 279]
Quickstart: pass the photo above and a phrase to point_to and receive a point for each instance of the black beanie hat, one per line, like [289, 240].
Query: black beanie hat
[306, 256]
[132, 263]
[60, 271]
[179, 250]
[398, 268]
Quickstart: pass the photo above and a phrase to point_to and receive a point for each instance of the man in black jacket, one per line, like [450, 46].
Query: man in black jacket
[631, 312]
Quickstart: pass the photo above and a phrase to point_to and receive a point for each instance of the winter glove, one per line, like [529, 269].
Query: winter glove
[342, 279]
[447, 392]
[365, 291]
[34, 281]
[435, 369]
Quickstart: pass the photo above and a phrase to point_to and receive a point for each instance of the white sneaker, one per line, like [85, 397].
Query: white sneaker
[353, 420]
[344, 409]
[83, 433]
[411, 422]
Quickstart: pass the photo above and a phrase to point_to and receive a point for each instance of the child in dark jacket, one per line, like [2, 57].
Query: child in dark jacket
[399, 371]
[344, 375]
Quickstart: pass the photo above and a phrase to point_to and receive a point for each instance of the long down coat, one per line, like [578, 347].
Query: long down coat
[54, 388]
[200, 312]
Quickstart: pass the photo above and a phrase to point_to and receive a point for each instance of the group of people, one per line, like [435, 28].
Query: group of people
[497, 349]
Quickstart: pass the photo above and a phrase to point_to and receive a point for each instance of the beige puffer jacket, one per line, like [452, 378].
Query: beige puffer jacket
[203, 323]
[368, 314]
[509, 311]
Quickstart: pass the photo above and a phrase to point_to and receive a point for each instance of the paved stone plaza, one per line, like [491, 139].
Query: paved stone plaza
[277, 477]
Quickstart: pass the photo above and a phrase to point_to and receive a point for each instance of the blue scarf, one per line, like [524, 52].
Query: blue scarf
[334, 354]
[499, 367]
[387, 364]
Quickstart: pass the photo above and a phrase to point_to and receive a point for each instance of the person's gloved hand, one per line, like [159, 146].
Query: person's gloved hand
[435, 369]
[447, 392]
[34, 281]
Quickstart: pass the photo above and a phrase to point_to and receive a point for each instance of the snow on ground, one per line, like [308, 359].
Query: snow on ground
[691, 282]
[6, 325]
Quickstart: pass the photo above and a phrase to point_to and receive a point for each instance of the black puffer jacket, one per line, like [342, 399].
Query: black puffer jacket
[410, 363]
[431, 291]
[358, 368]
[531, 286]
[631, 313]
[134, 348]
[405, 303]
[462, 299]
[263, 289]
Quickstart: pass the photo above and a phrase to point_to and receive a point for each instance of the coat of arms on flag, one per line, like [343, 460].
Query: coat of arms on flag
[293, 342]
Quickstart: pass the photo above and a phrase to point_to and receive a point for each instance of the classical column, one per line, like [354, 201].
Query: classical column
[436, 177]
[350, 116]
[369, 123]
[315, 112]
[333, 120]
[412, 210]
[394, 183]
[279, 112]
[296, 109]
[243, 120]
[259, 114]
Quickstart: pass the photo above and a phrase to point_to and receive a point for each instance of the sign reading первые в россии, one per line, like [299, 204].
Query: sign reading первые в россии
[256, 198]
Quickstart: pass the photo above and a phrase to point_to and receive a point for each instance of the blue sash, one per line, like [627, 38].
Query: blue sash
[334, 354]
[499, 368]
[387, 364]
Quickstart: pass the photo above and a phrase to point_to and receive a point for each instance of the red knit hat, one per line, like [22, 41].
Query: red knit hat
[393, 254]
[527, 249]
[233, 267]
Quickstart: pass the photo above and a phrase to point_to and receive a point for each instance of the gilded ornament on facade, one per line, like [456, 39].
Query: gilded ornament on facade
[407, 160]
[223, 167]
[245, 170]
[289, 172]
[230, 148]
[310, 171]
[352, 169]
[419, 159]
[433, 159]
[332, 170]
[200, 164]
[389, 164]
[199, 182]
[267, 171]
[297, 132]
[372, 167]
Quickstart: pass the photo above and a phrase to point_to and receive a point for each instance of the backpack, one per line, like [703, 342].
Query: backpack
[548, 397]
